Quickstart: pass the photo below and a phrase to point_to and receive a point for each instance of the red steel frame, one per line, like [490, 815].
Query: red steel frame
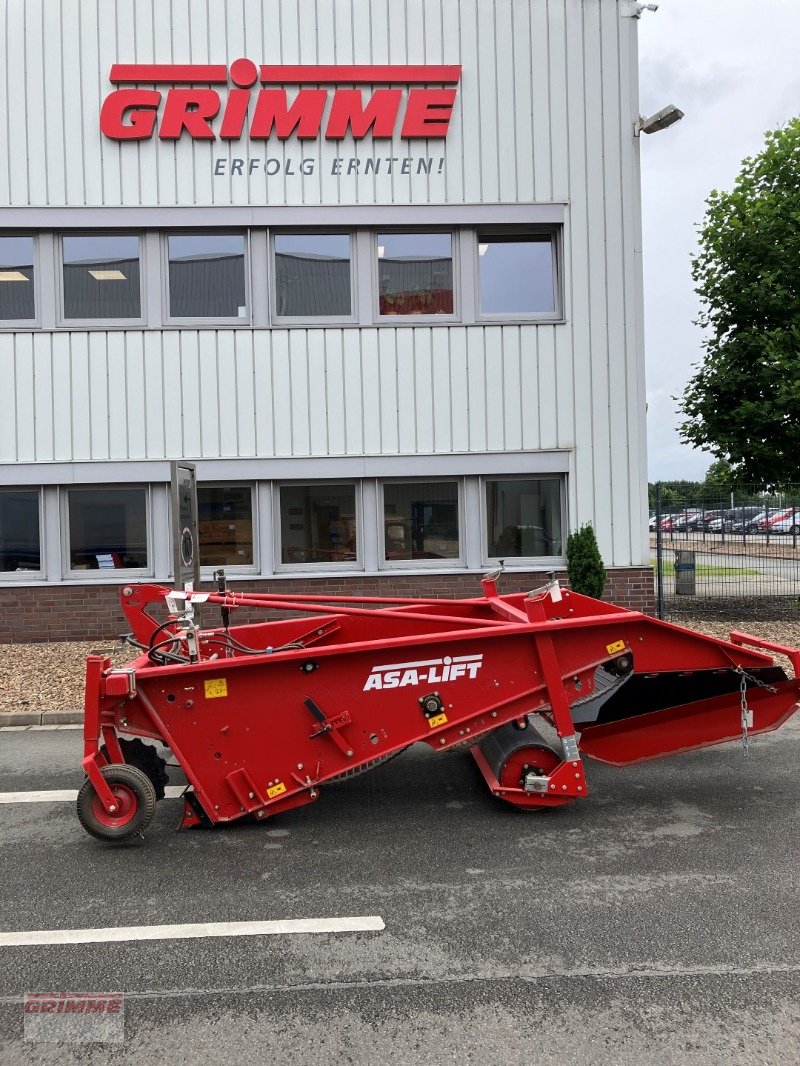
[258, 734]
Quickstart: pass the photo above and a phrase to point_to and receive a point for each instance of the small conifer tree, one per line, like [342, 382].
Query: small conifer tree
[587, 574]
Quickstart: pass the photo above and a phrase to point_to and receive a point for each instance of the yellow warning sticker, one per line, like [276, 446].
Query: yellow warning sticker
[618, 645]
[276, 790]
[439, 719]
[216, 687]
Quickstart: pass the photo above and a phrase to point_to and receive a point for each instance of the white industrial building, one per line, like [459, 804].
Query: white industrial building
[375, 265]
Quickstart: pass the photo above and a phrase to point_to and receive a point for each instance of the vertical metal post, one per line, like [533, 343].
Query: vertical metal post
[659, 556]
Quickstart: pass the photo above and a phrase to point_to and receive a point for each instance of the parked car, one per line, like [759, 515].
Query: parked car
[746, 518]
[789, 523]
[717, 521]
[703, 520]
[687, 519]
[722, 522]
[772, 518]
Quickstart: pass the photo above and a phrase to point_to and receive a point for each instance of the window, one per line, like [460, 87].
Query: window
[420, 521]
[107, 529]
[101, 277]
[17, 279]
[523, 518]
[516, 274]
[20, 548]
[318, 524]
[225, 521]
[359, 277]
[312, 275]
[415, 273]
[207, 275]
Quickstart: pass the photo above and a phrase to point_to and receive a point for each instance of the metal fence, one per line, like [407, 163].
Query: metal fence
[734, 554]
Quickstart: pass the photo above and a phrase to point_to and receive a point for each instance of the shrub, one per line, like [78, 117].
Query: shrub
[587, 574]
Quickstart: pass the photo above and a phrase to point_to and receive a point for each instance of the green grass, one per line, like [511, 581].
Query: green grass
[713, 571]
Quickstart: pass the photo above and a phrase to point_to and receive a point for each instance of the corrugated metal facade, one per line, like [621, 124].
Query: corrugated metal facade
[544, 115]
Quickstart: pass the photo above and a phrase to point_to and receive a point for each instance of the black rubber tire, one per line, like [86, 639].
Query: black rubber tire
[135, 782]
[794, 531]
[145, 758]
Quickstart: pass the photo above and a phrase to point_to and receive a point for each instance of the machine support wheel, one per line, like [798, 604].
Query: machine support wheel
[136, 805]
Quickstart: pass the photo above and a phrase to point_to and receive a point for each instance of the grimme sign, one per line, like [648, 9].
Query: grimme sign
[206, 111]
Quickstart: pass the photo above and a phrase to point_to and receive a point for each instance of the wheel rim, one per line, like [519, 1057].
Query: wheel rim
[126, 807]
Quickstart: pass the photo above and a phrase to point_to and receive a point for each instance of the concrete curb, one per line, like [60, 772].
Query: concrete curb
[53, 717]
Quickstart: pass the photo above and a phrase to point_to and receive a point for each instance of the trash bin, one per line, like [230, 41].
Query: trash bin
[685, 573]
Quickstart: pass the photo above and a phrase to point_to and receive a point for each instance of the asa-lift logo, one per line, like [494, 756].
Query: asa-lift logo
[213, 101]
[424, 672]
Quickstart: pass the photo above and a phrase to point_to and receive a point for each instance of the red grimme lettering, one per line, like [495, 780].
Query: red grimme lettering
[348, 111]
[190, 110]
[273, 112]
[130, 114]
[428, 113]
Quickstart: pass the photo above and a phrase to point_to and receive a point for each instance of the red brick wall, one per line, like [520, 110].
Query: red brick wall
[92, 612]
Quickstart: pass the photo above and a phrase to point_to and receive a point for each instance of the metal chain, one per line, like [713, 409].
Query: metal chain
[747, 714]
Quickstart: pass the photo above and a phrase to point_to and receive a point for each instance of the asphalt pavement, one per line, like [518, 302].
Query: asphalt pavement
[655, 921]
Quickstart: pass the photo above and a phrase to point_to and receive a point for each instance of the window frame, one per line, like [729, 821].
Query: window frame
[17, 576]
[62, 322]
[11, 324]
[310, 321]
[456, 233]
[67, 572]
[352, 565]
[459, 563]
[555, 233]
[524, 562]
[167, 318]
[206, 571]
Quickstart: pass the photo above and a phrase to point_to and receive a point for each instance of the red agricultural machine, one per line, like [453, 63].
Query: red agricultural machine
[261, 716]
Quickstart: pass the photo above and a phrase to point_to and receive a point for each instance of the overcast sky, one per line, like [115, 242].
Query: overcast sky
[733, 67]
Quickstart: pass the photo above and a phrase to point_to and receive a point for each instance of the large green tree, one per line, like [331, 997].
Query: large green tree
[743, 402]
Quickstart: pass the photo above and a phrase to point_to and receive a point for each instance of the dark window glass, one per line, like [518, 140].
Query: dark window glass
[516, 275]
[107, 528]
[19, 530]
[415, 273]
[318, 523]
[523, 518]
[420, 520]
[16, 278]
[312, 275]
[207, 276]
[101, 277]
[225, 519]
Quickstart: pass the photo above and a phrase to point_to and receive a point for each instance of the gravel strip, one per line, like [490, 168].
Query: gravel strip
[35, 677]
[45, 677]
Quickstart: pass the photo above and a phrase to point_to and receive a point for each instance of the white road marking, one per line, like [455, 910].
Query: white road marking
[54, 795]
[68, 795]
[117, 934]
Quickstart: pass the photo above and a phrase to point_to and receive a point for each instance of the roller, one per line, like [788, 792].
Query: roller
[516, 760]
